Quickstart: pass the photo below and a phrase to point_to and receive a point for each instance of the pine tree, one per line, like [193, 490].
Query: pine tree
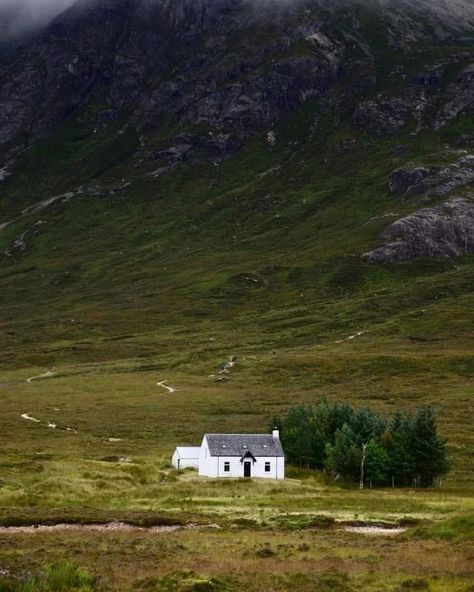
[398, 444]
[429, 451]
[296, 434]
[365, 425]
[345, 455]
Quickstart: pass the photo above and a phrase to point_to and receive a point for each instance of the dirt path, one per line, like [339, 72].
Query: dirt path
[351, 337]
[48, 374]
[50, 424]
[29, 418]
[170, 389]
[110, 527]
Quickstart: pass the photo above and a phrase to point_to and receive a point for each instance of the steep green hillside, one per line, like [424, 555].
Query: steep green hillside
[258, 257]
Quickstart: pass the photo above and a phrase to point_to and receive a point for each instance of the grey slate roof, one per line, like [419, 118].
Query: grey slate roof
[239, 444]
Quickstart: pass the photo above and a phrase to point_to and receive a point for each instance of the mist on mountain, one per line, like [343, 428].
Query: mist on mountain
[21, 17]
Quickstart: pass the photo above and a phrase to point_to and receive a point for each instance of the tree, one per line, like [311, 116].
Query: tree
[428, 450]
[321, 426]
[365, 425]
[344, 457]
[377, 464]
[398, 443]
[362, 464]
[296, 434]
[360, 446]
[338, 415]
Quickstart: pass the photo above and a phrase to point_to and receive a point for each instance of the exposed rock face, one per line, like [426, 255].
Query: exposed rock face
[427, 101]
[458, 98]
[231, 66]
[170, 60]
[4, 174]
[383, 116]
[438, 181]
[402, 180]
[446, 230]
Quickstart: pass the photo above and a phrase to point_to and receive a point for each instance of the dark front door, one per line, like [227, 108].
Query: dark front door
[247, 468]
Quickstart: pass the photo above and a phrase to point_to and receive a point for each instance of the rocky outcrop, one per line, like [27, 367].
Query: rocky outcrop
[383, 116]
[446, 230]
[4, 174]
[458, 97]
[402, 180]
[437, 181]
[428, 99]
[431, 77]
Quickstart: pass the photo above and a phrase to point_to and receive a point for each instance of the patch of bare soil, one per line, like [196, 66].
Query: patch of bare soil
[109, 527]
[374, 530]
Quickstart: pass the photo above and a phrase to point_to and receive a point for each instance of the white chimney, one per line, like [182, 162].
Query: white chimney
[276, 433]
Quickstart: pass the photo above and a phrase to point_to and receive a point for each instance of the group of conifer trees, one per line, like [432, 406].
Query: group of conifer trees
[358, 445]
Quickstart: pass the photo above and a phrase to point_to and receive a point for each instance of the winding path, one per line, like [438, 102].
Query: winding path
[358, 334]
[26, 416]
[170, 389]
[48, 374]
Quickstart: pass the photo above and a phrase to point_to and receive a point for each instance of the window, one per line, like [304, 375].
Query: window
[227, 467]
[268, 467]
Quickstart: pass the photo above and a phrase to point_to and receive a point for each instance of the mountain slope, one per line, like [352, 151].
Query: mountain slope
[187, 180]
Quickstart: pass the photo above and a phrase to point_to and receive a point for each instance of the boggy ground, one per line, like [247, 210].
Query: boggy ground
[253, 559]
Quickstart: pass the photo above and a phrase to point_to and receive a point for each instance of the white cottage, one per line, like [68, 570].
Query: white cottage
[242, 455]
[186, 456]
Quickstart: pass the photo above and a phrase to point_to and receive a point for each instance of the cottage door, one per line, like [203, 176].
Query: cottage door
[247, 468]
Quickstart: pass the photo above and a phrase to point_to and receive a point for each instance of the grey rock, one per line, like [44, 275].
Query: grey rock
[430, 77]
[19, 244]
[467, 74]
[458, 98]
[425, 201]
[438, 181]
[445, 230]
[96, 191]
[4, 174]
[402, 179]
[384, 116]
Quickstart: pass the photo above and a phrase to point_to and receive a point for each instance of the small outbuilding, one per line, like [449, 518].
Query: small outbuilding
[185, 457]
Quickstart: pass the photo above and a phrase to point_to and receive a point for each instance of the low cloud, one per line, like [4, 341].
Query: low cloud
[20, 17]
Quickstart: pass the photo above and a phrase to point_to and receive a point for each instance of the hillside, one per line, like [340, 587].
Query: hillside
[186, 181]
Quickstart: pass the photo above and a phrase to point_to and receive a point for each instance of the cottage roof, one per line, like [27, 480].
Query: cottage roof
[188, 451]
[239, 444]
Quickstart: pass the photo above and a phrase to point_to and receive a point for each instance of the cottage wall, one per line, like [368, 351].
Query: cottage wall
[207, 463]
